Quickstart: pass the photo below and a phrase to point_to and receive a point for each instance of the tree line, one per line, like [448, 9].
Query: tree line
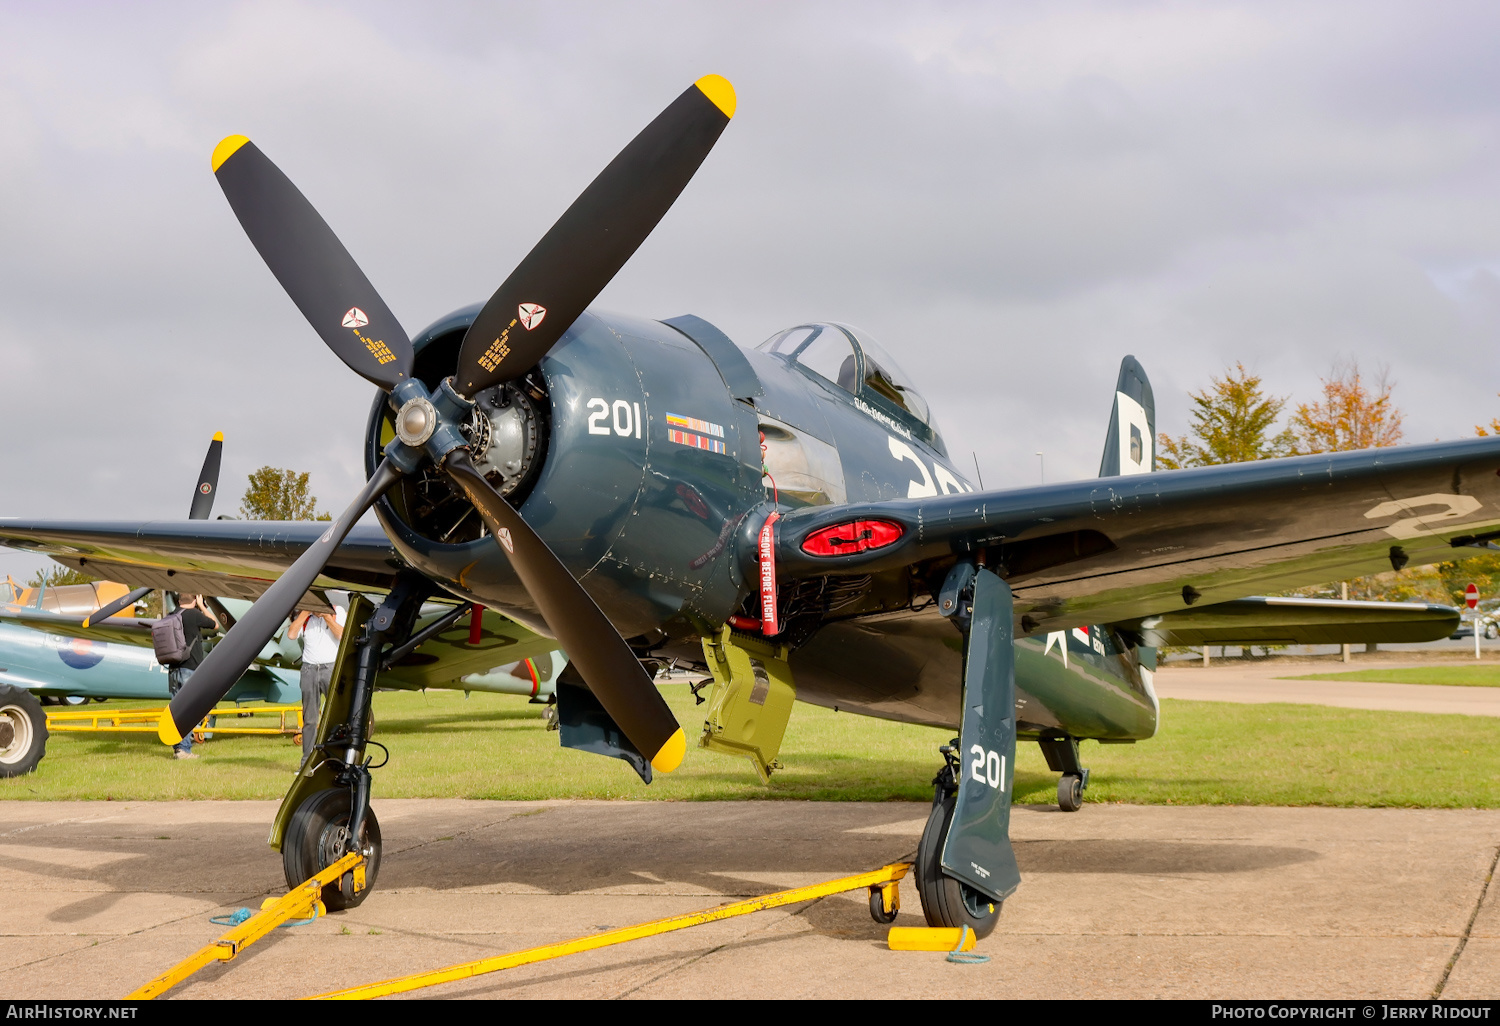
[1234, 420]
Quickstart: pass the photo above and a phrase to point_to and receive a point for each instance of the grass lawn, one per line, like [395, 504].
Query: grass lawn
[1479, 675]
[495, 746]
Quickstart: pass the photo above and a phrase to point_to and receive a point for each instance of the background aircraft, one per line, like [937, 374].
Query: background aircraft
[601, 478]
[69, 643]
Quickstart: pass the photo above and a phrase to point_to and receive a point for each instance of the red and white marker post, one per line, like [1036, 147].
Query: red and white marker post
[1471, 599]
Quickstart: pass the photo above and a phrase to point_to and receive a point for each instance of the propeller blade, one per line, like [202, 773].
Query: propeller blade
[208, 480]
[592, 240]
[232, 656]
[607, 665]
[312, 264]
[123, 602]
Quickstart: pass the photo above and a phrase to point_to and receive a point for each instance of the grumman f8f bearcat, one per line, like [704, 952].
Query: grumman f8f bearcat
[602, 480]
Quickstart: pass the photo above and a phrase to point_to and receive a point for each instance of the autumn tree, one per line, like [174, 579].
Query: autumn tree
[1351, 414]
[57, 576]
[278, 494]
[1232, 423]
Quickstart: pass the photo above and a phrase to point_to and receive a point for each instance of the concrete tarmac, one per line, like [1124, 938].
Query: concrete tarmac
[1248, 682]
[1116, 901]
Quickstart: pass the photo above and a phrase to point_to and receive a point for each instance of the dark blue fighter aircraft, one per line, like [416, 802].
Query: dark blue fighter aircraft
[786, 519]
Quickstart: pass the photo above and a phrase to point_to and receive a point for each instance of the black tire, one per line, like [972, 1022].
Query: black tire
[315, 840]
[877, 908]
[1070, 792]
[945, 901]
[23, 731]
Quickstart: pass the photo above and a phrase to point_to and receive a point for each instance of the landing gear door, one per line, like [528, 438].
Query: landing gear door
[978, 851]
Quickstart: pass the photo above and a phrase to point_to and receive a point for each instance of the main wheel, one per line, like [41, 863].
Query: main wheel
[315, 839]
[23, 731]
[1070, 792]
[945, 901]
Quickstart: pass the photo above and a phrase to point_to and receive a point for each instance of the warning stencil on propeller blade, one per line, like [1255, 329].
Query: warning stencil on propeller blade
[355, 318]
[531, 315]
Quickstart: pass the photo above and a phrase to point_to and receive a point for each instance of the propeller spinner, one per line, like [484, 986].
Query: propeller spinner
[519, 324]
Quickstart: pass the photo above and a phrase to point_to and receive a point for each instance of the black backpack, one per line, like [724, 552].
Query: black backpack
[170, 640]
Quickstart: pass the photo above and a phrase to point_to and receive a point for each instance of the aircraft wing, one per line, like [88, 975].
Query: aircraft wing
[226, 558]
[122, 630]
[1297, 621]
[1123, 548]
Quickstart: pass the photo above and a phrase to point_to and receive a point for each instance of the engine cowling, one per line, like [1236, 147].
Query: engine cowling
[622, 449]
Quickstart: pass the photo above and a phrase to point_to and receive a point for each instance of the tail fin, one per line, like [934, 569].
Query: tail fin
[1130, 445]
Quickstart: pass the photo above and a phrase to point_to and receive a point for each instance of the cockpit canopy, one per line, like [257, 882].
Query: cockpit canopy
[850, 359]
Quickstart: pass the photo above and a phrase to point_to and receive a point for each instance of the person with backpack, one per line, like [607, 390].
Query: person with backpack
[178, 640]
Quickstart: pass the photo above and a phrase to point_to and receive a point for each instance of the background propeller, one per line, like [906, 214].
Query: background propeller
[525, 317]
[203, 505]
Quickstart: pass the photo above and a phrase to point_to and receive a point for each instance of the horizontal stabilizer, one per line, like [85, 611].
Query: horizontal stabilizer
[1298, 621]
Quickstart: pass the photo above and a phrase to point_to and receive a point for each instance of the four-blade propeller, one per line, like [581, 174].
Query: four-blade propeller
[525, 317]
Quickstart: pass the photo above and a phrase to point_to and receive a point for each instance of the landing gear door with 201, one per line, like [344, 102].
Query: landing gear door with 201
[977, 851]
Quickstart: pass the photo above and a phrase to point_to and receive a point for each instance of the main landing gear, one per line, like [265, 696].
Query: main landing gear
[326, 814]
[946, 901]
[1061, 753]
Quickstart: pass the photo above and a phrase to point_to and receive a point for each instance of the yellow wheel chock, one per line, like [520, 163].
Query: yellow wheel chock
[299, 903]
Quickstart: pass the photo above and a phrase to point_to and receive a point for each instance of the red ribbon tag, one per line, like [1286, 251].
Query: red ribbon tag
[768, 625]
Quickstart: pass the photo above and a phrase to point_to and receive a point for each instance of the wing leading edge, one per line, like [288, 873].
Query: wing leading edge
[1123, 548]
[227, 558]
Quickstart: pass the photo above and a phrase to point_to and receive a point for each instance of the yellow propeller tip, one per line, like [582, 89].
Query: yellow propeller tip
[167, 730]
[227, 148]
[669, 756]
[85, 623]
[717, 89]
[218, 436]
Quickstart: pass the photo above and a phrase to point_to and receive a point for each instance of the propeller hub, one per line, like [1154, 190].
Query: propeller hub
[416, 421]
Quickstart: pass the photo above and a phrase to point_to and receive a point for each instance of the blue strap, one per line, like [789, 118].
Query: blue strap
[959, 955]
[240, 915]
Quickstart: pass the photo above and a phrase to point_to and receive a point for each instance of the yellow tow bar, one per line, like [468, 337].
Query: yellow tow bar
[883, 879]
[299, 903]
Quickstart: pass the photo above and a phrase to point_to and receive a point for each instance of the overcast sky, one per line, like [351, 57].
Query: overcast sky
[1009, 196]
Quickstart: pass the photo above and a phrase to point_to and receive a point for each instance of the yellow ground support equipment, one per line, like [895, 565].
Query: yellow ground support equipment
[144, 721]
[299, 903]
[880, 880]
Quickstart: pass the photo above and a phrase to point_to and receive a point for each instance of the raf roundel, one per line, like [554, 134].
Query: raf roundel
[205, 488]
[531, 314]
[355, 318]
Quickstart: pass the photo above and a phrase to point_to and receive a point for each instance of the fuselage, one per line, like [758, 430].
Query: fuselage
[648, 456]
